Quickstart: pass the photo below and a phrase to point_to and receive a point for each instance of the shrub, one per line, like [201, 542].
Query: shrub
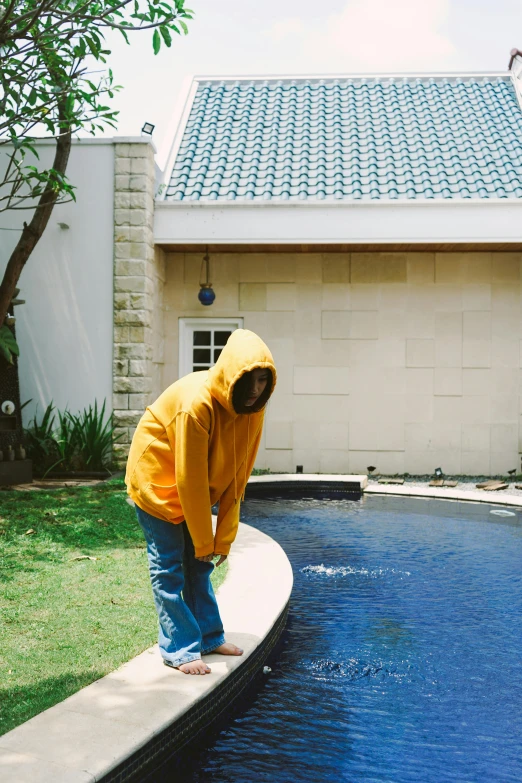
[70, 442]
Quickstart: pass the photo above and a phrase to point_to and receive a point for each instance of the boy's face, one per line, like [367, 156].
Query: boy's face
[258, 381]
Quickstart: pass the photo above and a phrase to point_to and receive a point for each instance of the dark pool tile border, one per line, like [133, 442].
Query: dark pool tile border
[139, 767]
[316, 489]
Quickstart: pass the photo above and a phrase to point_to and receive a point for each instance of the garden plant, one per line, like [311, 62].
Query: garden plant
[67, 442]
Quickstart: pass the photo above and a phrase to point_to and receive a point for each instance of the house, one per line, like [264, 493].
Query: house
[369, 228]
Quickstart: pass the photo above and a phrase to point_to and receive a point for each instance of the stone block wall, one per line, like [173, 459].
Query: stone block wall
[138, 284]
[406, 361]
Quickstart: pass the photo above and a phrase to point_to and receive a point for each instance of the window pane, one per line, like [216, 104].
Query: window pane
[199, 367]
[201, 338]
[201, 355]
[220, 338]
[217, 351]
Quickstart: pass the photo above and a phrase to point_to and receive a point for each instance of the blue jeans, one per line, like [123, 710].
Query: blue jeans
[189, 621]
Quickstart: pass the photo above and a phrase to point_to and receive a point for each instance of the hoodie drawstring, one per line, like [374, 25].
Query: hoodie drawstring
[244, 464]
[235, 465]
[246, 460]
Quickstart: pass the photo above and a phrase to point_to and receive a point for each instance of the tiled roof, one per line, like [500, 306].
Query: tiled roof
[350, 139]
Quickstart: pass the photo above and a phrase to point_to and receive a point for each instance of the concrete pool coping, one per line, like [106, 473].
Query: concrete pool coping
[114, 728]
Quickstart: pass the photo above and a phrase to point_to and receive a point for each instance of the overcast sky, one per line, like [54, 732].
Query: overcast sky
[306, 36]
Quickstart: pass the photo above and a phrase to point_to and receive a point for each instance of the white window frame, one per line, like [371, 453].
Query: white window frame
[187, 327]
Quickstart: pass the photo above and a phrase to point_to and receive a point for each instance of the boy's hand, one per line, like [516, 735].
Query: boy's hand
[209, 558]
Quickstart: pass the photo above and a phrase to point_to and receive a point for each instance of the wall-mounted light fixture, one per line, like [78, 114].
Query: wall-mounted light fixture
[206, 294]
[148, 128]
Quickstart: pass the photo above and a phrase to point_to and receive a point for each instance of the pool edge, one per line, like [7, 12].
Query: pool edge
[470, 495]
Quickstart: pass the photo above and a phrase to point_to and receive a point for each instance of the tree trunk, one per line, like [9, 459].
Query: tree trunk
[32, 231]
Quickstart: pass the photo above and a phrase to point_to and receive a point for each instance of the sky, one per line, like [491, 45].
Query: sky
[242, 37]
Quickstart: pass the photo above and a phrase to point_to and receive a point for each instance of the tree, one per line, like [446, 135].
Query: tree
[48, 49]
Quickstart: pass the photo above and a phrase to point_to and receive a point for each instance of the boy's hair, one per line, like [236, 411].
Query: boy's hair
[241, 389]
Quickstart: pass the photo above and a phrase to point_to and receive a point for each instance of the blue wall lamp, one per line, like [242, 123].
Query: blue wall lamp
[206, 293]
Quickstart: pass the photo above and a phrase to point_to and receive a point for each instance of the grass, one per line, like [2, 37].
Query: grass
[65, 621]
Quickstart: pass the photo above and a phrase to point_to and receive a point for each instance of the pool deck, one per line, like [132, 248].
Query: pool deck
[502, 498]
[126, 715]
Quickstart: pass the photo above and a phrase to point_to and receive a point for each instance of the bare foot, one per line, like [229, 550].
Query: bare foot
[228, 649]
[194, 667]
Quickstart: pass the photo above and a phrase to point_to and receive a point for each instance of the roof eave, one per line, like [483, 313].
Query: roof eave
[457, 221]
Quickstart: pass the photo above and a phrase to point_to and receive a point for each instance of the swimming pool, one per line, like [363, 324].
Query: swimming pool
[402, 656]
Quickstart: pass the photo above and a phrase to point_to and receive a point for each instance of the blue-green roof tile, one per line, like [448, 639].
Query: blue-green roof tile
[351, 139]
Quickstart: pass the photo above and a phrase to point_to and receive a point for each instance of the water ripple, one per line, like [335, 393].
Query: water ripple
[355, 669]
[373, 573]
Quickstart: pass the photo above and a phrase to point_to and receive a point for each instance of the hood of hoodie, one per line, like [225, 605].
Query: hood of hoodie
[244, 352]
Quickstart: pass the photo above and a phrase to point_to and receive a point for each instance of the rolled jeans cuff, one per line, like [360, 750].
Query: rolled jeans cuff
[219, 642]
[186, 659]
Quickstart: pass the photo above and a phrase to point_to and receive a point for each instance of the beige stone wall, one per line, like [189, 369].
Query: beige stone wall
[139, 274]
[406, 361]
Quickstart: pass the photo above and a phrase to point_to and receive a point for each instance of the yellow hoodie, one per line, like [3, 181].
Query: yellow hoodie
[191, 449]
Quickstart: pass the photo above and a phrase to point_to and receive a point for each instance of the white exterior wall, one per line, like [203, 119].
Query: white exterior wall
[405, 361]
[65, 329]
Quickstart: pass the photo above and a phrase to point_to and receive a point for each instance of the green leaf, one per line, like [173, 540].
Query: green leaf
[8, 339]
[30, 147]
[8, 344]
[165, 34]
[92, 46]
[183, 26]
[6, 353]
[156, 41]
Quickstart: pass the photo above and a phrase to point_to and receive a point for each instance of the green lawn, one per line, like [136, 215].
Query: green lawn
[64, 621]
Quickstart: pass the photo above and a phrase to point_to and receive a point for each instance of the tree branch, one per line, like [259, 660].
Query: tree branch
[8, 12]
[33, 230]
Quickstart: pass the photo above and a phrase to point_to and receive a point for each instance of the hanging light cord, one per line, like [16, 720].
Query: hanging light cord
[206, 263]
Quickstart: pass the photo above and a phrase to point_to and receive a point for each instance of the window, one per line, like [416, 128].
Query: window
[201, 341]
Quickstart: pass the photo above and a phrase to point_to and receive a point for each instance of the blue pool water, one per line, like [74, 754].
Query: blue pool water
[402, 657]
